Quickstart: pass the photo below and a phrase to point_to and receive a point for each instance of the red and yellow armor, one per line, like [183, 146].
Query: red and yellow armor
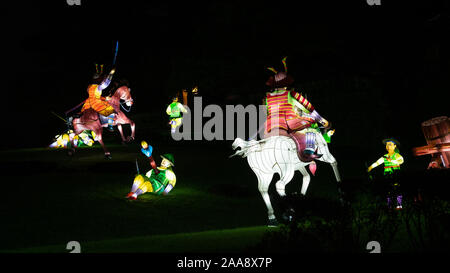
[97, 102]
[281, 113]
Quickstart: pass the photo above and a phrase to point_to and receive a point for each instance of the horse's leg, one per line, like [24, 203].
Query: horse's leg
[327, 157]
[263, 187]
[133, 129]
[119, 127]
[306, 179]
[122, 119]
[285, 178]
[98, 133]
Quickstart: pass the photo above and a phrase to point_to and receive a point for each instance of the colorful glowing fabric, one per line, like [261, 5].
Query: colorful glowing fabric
[391, 162]
[161, 182]
[282, 112]
[85, 138]
[96, 101]
[147, 151]
[174, 110]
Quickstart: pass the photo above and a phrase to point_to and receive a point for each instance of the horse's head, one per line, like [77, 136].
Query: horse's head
[238, 143]
[124, 94]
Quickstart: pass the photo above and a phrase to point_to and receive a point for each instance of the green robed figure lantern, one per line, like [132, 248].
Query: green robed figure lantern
[392, 161]
[175, 110]
[156, 183]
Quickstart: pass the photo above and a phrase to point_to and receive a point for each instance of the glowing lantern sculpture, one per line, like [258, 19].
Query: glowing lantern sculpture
[85, 138]
[292, 139]
[157, 183]
[174, 111]
[63, 140]
[392, 161]
[278, 154]
[437, 135]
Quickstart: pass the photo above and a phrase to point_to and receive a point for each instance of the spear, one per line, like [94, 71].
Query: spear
[115, 54]
[68, 121]
[137, 166]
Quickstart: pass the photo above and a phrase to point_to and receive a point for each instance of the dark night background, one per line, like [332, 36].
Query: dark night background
[373, 71]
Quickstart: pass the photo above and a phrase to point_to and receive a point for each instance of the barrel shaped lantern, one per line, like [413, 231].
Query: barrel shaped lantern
[437, 136]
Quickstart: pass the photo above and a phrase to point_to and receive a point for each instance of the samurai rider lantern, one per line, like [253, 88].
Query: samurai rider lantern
[392, 161]
[96, 101]
[174, 111]
[290, 114]
[157, 183]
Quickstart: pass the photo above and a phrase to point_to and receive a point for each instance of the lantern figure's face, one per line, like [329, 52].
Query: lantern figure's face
[165, 163]
[144, 144]
[390, 147]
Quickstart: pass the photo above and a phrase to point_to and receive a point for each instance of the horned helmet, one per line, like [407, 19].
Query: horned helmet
[280, 79]
[98, 75]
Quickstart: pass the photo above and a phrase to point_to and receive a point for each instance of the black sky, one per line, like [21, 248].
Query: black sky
[400, 50]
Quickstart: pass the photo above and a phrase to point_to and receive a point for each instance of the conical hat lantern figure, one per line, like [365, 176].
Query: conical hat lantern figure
[437, 135]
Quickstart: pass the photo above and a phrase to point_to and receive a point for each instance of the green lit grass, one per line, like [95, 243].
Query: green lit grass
[220, 241]
[50, 198]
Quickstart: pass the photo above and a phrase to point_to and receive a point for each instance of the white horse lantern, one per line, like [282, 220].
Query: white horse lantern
[278, 154]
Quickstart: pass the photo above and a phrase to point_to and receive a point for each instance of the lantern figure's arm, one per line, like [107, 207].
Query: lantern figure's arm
[398, 160]
[169, 110]
[376, 164]
[182, 108]
[147, 152]
[105, 83]
[301, 102]
[170, 175]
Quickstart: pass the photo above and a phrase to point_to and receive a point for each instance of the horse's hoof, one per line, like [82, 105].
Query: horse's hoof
[273, 222]
[108, 156]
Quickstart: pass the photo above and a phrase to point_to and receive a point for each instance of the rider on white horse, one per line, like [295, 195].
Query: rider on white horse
[289, 112]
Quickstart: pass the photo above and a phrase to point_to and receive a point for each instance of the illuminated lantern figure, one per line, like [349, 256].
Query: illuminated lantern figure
[161, 183]
[96, 101]
[289, 114]
[174, 111]
[87, 138]
[147, 150]
[436, 132]
[392, 161]
[279, 155]
[63, 140]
